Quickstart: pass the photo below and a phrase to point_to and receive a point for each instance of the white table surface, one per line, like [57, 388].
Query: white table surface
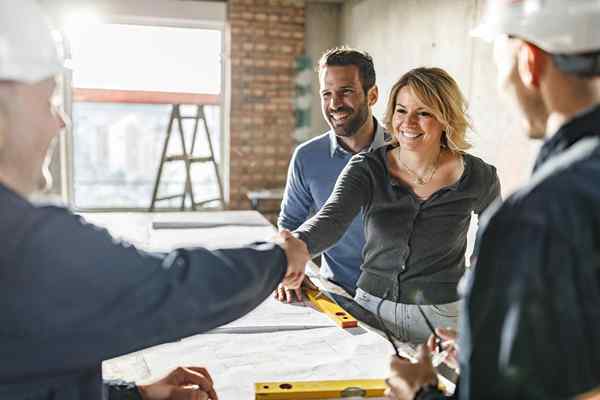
[238, 358]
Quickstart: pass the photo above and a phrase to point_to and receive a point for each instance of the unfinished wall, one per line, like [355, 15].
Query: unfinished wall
[322, 33]
[266, 38]
[403, 34]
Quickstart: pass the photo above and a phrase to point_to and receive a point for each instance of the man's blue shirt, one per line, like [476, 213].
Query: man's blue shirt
[312, 174]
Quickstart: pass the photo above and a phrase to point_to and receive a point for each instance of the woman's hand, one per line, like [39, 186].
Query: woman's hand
[286, 295]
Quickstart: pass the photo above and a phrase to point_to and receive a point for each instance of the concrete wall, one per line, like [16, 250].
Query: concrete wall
[403, 34]
[322, 33]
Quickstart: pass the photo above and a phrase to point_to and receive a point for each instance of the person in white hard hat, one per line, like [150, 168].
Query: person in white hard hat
[70, 295]
[532, 303]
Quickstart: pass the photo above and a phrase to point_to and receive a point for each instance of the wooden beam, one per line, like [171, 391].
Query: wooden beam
[143, 97]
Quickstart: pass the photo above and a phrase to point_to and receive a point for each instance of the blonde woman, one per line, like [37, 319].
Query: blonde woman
[417, 195]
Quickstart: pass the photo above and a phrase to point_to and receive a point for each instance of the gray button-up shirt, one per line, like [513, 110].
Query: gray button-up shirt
[414, 250]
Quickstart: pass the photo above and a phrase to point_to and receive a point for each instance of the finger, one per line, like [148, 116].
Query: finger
[397, 388]
[190, 377]
[431, 343]
[299, 293]
[446, 333]
[203, 371]
[388, 395]
[278, 293]
[189, 394]
[281, 292]
[288, 295]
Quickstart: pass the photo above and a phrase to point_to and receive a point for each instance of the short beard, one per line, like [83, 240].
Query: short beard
[354, 125]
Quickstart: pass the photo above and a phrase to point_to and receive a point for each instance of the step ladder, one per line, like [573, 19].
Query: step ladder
[188, 158]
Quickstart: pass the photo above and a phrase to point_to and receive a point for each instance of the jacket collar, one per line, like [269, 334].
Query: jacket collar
[583, 125]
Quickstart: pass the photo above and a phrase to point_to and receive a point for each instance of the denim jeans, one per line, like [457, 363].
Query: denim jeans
[405, 321]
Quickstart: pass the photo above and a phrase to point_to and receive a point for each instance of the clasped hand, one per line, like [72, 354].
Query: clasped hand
[297, 256]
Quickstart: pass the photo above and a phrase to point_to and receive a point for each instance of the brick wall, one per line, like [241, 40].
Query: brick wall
[266, 38]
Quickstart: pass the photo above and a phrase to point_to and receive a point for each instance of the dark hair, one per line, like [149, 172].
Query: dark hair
[343, 56]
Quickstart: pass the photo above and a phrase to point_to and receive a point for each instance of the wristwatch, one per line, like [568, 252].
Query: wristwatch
[121, 390]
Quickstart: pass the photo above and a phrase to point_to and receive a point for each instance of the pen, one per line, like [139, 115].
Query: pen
[438, 339]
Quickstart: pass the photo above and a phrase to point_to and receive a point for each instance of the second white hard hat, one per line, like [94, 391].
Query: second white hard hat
[556, 26]
[28, 51]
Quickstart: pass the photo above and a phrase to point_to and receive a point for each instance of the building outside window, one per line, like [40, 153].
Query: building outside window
[125, 78]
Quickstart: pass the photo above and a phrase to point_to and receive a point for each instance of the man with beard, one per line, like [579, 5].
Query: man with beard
[348, 91]
[532, 318]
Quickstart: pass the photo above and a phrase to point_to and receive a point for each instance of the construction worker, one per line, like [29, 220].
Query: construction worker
[532, 304]
[70, 295]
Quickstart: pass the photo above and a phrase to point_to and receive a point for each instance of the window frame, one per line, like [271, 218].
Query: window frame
[66, 141]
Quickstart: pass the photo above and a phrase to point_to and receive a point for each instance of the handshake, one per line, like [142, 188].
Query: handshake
[297, 256]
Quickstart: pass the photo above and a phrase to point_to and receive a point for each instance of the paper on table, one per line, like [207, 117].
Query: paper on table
[272, 313]
[236, 361]
[269, 316]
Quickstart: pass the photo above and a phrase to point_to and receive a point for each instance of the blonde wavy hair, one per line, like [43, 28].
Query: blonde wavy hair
[440, 95]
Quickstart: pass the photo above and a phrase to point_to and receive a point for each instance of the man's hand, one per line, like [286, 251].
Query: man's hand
[190, 383]
[297, 257]
[448, 336]
[286, 295]
[406, 378]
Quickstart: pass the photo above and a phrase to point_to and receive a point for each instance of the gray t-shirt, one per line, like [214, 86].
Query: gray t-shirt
[415, 249]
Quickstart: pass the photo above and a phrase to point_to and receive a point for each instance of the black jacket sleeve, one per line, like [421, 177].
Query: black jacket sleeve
[94, 298]
[532, 322]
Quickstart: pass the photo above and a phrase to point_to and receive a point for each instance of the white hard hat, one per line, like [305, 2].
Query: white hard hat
[556, 26]
[28, 51]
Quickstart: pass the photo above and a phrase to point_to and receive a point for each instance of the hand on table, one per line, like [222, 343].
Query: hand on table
[183, 383]
[406, 378]
[286, 295]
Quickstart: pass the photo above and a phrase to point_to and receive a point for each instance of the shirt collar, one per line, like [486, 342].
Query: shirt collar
[378, 140]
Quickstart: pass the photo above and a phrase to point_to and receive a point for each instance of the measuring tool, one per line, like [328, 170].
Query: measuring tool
[319, 389]
[329, 307]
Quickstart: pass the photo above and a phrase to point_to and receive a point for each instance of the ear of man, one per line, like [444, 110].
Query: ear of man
[531, 64]
[372, 95]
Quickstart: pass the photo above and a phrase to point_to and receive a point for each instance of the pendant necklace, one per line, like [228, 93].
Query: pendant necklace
[421, 180]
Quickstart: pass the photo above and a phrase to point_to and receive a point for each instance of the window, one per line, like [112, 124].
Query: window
[124, 79]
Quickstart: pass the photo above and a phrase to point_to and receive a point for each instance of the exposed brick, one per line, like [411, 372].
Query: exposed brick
[266, 38]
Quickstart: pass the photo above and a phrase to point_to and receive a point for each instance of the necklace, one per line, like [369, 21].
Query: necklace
[422, 180]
